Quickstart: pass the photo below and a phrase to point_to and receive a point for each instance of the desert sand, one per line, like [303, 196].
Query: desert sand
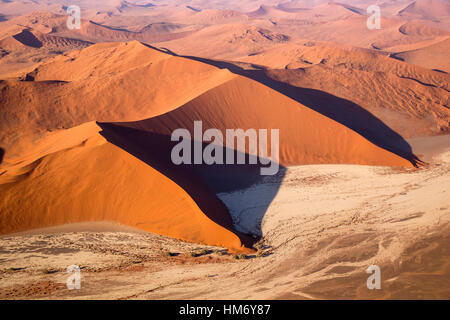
[86, 175]
[55, 170]
[322, 230]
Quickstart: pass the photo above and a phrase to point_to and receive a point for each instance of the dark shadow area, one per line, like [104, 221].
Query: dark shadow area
[420, 82]
[28, 39]
[2, 154]
[440, 71]
[111, 28]
[341, 110]
[193, 9]
[201, 181]
[394, 56]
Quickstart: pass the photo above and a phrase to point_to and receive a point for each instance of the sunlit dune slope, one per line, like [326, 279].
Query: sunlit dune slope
[411, 100]
[305, 136]
[225, 41]
[105, 82]
[77, 176]
[434, 56]
[53, 175]
[427, 9]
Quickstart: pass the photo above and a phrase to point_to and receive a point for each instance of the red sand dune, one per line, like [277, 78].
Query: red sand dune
[74, 175]
[145, 83]
[411, 100]
[434, 56]
[215, 16]
[209, 42]
[427, 9]
[35, 39]
[56, 25]
[97, 181]
[418, 29]
[306, 137]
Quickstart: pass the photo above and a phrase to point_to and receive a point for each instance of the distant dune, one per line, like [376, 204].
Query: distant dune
[391, 90]
[215, 16]
[418, 29]
[427, 9]
[434, 56]
[208, 42]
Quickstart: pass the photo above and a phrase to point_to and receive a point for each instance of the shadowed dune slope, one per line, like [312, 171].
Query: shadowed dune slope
[97, 181]
[59, 175]
[411, 100]
[305, 136]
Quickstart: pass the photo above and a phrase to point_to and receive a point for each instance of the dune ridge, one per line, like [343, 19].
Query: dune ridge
[105, 183]
[122, 179]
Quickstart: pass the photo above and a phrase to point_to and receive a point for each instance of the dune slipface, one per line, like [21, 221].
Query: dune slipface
[306, 137]
[97, 181]
[76, 175]
[105, 82]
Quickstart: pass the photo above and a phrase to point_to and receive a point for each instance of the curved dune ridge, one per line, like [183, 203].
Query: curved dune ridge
[55, 24]
[306, 137]
[434, 56]
[60, 175]
[336, 78]
[412, 28]
[97, 181]
[105, 82]
[27, 37]
[427, 8]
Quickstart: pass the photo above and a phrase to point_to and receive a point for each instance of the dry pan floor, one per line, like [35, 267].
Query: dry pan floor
[325, 226]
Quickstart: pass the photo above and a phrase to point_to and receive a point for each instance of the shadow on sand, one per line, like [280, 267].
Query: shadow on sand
[341, 110]
[202, 182]
[27, 38]
[150, 142]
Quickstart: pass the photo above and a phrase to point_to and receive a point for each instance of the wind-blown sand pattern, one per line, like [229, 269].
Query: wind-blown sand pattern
[86, 175]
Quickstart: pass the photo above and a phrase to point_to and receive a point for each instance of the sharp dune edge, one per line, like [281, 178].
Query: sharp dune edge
[105, 183]
[87, 179]
[97, 181]
[307, 138]
[123, 82]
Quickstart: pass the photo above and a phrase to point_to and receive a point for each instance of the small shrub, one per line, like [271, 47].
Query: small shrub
[49, 271]
[220, 252]
[169, 254]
